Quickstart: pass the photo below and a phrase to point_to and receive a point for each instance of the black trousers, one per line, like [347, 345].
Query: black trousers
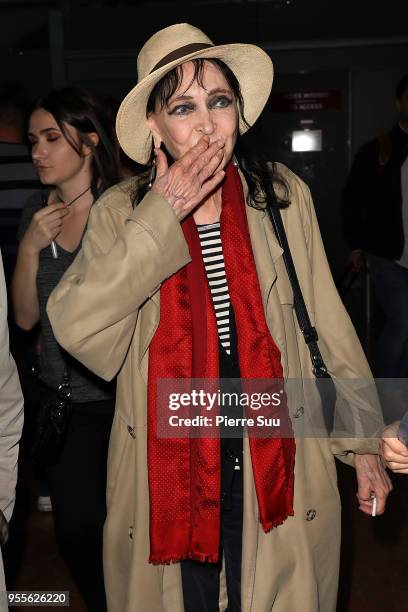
[201, 581]
[77, 488]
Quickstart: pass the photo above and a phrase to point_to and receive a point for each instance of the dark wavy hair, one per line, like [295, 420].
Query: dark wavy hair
[83, 111]
[259, 174]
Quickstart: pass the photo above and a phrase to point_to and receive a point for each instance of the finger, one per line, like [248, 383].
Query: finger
[362, 500]
[58, 214]
[395, 458]
[161, 163]
[363, 486]
[365, 500]
[44, 212]
[209, 186]
[55, 225]
[55, 205]
[206, 157]
[390, 455]
[50, 213]
[50, 208]
[52, 229]
[49, 221]
[396, 446]
[211, 167]
[365, 508]
[195, 152]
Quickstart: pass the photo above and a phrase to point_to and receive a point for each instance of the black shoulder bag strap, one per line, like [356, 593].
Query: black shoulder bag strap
[309, 332]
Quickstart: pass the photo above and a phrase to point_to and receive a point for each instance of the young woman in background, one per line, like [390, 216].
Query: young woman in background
[73, 149]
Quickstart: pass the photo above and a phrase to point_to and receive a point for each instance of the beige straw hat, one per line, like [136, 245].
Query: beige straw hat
[171, 47]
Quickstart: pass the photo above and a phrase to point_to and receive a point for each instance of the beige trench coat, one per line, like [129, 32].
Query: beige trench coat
[105, 311]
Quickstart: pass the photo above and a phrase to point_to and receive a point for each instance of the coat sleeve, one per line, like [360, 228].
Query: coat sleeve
[11, 411]
[358, 410]
[125, 256]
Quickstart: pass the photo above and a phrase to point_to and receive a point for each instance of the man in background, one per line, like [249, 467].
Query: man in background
[18, 178]
[375, 221]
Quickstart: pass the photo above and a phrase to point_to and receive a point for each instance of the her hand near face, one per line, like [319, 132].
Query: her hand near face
[45, 226]
[188, 181]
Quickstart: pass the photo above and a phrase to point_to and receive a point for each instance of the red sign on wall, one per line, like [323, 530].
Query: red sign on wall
[297, 101]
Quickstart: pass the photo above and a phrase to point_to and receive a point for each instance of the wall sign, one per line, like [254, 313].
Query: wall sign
[298, 101]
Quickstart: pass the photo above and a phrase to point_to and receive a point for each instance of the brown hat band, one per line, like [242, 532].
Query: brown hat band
[181, 52]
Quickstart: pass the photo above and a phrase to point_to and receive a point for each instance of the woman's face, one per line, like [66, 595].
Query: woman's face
[196, 111]
[54, 158]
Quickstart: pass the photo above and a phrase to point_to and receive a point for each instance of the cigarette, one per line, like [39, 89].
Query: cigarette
[54, 249]
[373, 505]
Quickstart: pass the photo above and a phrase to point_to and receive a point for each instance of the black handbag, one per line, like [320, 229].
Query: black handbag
[52, 422]
[327, 389]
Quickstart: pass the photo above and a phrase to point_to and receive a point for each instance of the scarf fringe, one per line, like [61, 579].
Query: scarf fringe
[278, 521]
[169, 559]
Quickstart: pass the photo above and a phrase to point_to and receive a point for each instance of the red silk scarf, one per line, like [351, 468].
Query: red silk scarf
[184, 473]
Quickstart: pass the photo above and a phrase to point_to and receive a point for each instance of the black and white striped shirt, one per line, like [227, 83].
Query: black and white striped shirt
[213, 258]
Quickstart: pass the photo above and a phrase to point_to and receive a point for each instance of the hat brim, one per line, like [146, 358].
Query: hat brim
[250, 64]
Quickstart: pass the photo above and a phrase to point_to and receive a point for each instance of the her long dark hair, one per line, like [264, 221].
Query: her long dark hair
[82, 110]
[259, 174]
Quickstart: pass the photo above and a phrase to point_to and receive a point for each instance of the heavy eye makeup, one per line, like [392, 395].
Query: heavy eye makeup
[181, 109]
[219, 101]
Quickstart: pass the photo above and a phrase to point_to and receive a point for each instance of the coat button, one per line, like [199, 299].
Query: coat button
[131, 430]
[130, 532]
[310, 514]
[230, 453]
[299, 412]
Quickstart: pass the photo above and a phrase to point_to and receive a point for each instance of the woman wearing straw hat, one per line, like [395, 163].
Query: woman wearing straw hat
[181, 276]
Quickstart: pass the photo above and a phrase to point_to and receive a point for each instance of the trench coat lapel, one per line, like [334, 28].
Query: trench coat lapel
[257, 223]
[274, 283]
